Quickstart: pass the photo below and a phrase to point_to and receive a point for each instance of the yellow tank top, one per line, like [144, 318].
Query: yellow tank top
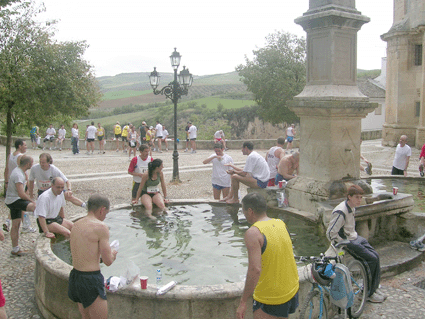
[117, 129]
[278, 281]
[125, 131]
[100, 131]
[148, 135]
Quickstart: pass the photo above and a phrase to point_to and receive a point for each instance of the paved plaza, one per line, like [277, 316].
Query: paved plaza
[107, 174]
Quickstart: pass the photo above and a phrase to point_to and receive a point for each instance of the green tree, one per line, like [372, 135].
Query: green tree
[40, 79]
[275, 75]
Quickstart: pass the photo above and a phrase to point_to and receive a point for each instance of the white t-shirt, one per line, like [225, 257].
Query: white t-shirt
[74, 132]
[49, 205]
[192, 132]
[44, 178]
[400, 158]
[50, 132]
[219, 134]
[158, 129]
[257, 166]
[273, 161]
[13, 162]
[17, 176]
[91, 132]
[219, 171]
[165, 133]
[290, 131]
[61, 133]
[139, 166]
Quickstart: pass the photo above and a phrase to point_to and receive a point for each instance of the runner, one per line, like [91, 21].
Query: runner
[61, 137]
[117, 133]
[100, 137]
[133, 136]
[35, 135]
[124, 135]
[138, 166]
[165, 135]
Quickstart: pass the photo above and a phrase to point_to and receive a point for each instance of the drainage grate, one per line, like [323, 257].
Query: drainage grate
[420, 284]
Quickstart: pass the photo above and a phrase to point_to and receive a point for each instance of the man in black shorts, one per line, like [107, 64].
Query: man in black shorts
[18, 201]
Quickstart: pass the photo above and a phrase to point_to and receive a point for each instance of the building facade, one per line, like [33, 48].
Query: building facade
[405, 92]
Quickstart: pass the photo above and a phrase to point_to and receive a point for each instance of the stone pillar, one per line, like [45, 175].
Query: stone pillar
[420, 131]
[331, 106]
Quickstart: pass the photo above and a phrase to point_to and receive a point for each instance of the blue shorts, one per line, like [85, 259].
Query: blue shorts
[290, 139]
[219, 187]
[85, 286]
[282, 310]
[262, 184]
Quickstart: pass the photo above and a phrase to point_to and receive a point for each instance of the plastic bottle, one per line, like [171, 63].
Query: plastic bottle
[158, 278]
[27, 221]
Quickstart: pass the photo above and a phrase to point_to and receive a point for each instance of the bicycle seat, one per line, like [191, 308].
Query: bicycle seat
[342, 243]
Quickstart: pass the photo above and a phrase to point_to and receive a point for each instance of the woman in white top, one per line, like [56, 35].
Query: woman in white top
[75, 138]
[133, 136]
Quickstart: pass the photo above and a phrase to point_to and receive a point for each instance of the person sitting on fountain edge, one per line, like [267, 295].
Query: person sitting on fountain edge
[342, 226]
[255, 174]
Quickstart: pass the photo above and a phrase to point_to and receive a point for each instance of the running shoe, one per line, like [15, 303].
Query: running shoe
[376, 298]
[19, 253]
[421, 170]
[417, 245]
[28, 230]
[6, 225]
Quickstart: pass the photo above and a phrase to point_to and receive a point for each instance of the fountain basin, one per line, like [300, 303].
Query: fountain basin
[183, 301]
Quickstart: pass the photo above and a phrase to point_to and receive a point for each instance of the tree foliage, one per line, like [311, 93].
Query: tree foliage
[276, 74]
[41, 79]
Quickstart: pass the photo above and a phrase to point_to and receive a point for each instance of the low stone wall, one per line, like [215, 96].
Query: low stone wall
[200, 144]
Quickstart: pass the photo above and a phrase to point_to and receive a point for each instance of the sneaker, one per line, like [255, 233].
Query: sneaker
[19, 253]
[28, 230]
[6, 225]
[117, 150]
[379, 292]
[417, 245]
[60, 149]
[369, 169]
[376, 298]
[186, 150]
[166, 149]
[87, 153]
[421, 170]
[103, 152]
[193, 152]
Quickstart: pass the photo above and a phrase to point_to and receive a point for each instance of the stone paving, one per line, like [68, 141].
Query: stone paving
[17, 273]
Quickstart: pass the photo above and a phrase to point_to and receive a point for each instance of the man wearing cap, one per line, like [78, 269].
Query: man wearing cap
[117, 132]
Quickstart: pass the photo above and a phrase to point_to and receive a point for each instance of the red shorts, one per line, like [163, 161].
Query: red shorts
[2, 299]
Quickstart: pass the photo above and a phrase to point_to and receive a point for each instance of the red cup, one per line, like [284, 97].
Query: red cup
[395, 190]
[143, 282]
[280, 184]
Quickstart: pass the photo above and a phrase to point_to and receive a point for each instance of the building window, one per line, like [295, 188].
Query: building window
[418, 54]
[418, 109]
[378, 110]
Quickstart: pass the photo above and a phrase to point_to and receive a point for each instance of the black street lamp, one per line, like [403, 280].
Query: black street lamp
[174, 91]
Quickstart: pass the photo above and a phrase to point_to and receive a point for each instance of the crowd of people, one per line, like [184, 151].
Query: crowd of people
[90, 236]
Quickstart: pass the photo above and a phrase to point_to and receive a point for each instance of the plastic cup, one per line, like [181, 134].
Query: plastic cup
[143, 282]
[280, 184]
[395, 190]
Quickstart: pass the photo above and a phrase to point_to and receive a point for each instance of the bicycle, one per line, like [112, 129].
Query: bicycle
[315, 305]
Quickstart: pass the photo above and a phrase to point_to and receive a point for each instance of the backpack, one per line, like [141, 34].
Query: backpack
[341, 290]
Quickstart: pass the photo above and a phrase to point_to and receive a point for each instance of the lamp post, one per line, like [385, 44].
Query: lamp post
[174, 91]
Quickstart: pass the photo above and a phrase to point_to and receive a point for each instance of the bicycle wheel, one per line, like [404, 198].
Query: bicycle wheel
[359, 280]
[311, 307]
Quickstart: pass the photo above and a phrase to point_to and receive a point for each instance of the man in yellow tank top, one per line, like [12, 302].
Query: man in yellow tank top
[117, 132]
[272, 277]
[124, 135]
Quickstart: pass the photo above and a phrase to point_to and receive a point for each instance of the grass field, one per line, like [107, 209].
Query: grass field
[213, 102]
[116, 95]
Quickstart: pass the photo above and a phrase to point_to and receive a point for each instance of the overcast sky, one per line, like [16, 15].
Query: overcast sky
[212, 36]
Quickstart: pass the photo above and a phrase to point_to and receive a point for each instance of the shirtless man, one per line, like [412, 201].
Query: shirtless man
[90, 242]
[220, 138]
[50, 211]
[287, 167]
[273, 157]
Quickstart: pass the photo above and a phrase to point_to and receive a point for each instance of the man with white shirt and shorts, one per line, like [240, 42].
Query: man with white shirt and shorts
[193, 133]
[90, 137]
[401, 157]
[18, 200]
[139, 165]
[290, 134]
[273, 157]
[165, 135]
[255, 174]
[50, 136]
[159, 135]
[50, 211]
[220, 179]
[61, 137]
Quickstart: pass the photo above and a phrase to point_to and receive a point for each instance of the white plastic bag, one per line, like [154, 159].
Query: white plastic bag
[132, 272]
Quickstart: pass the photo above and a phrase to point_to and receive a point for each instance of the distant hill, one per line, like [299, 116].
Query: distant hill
[134, 88]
